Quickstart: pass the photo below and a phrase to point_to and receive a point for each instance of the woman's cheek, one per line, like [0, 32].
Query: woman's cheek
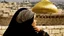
[34, 23]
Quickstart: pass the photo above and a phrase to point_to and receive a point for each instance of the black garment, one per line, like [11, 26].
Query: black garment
[42, 33]
[20, 29]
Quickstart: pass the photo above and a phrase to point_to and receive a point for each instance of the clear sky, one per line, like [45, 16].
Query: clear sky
[30, 0]
[19, 0]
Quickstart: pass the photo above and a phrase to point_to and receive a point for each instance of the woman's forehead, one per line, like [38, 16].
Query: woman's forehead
[34, 14]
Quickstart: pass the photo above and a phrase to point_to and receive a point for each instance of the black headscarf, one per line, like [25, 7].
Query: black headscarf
[20, 29]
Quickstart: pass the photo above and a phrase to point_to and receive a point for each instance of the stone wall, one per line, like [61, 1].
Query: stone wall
[54, 30]
[47, 19]
[51, 30]
[4, 21]
[50, 21]
[41, 20]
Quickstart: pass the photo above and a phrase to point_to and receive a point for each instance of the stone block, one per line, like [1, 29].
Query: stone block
[42, 27]
[62, 30]
[50, 31]
[46, 30]
[0, 35]
[5, 15]
[58, 34]
[55, 31]
[62, 26]
[57, 27]
[0, 27]
[52, 34]
[4, 27]
[50, 27]
[63, 34]
[2, 31]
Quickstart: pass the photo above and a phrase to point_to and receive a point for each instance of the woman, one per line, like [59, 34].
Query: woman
[23, 23]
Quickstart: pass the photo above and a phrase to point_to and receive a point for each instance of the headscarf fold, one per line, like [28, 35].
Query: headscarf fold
[24, 16]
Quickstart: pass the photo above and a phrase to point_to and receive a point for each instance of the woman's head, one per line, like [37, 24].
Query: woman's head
[21, 22]
[25, 16]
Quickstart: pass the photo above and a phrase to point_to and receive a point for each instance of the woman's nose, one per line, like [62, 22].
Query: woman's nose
[35, 20]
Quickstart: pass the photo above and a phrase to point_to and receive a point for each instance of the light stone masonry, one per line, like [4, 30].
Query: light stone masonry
[55, 31]
[0, 27]
[52, 34]
[62, 27]
[2, 31]
[62, 30]
[0, 35]
[63, 34]
[50, 27]
[51, 30]
[4, 27]
[46, 30]
[58, 34]
[59, 27]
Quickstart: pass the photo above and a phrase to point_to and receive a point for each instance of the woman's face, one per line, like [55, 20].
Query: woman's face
[34, 22]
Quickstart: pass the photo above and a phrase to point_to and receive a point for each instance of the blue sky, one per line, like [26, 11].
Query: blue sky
[30, 0]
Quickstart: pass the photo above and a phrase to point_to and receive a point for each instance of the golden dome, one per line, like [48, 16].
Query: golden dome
[45, 6]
